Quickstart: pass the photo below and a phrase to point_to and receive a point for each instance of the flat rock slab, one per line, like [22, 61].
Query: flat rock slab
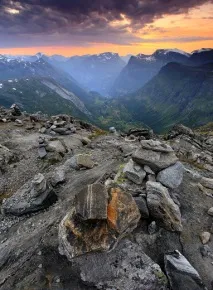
[127, 267]
[156, 160]
[155, 145]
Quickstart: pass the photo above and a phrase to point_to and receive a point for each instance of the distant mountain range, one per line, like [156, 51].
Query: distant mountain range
[142, 68]
[177, 94]
[158, 90]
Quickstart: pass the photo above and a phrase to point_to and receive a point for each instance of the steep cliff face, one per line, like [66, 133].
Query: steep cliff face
[85, 209]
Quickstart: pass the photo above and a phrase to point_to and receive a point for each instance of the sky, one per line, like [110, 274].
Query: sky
[77, 27]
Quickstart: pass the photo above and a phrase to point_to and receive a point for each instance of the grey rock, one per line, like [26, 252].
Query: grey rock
[43, 130]
[152, 228]
[91, 203]
[181, 273]
[31, 197]
[112, 130]
[18, 121]
[151, 177]
[6, 157]
[210, 211]
[42, 152]
[155, 145]
[85, 141]
[205, 237]
[171, 176]
[148, 169]
[56, 146]
[127, 267]
[141, 203]
[79, 161]
[58, 176]
[134, 172]
[211, 229]
[162, 208]
[207, 182]
[156, 160]
[61, 131]
[206, 251]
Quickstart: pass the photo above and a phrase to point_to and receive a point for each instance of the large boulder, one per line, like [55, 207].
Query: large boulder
[157, 155]
[126, 267]
[31, 197]
[172, 176]
[162, 208]
[181, 274]
[97, 221]
[134, 172]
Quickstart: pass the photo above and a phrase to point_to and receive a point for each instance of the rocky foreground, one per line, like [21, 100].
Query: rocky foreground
[82, 209]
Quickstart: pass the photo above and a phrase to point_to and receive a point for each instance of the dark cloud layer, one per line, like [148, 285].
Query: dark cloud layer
[81, 22]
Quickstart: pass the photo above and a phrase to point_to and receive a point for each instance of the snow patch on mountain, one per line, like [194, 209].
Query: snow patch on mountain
[202, 50]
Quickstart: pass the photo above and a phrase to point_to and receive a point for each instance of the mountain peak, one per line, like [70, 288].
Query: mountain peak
[202, 50]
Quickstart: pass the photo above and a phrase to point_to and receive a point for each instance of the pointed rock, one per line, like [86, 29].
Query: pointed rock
[162, 208]
[181, 273]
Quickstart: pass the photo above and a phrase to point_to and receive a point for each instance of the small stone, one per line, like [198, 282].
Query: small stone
[205, 237]
[207, 182]
[58, 280]
[134, 172]
[40, 266]
[211, 229]
[141, 203]
[53, 127]
[148, 170]
[19, 122]
[205, 251]
[42, 152]
[43, 130]
[151, 177]
[85, 141]
[152, 228]
[210, 211]
[61, 131]
[53, 133]
[112, 130]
